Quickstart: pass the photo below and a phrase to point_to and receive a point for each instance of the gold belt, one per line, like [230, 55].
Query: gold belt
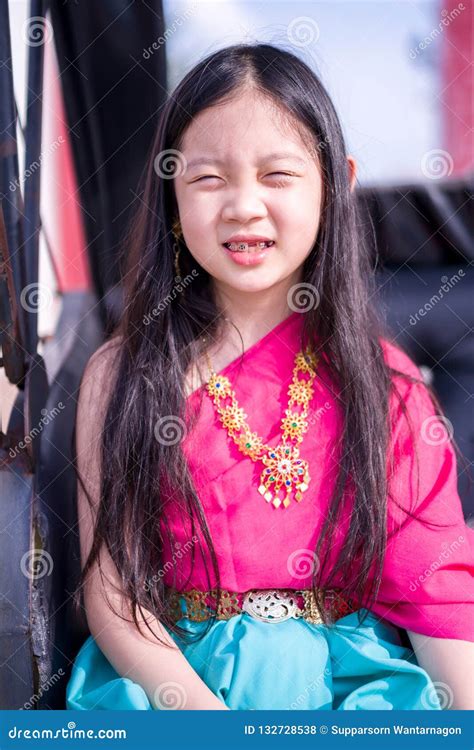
[267, 605]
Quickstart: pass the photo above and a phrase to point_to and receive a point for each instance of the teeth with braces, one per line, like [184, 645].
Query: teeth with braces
[242, 247]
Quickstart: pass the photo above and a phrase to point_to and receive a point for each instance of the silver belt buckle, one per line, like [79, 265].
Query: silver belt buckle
[269, 605]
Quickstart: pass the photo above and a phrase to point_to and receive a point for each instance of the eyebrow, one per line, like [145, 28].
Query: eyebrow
[269, 157]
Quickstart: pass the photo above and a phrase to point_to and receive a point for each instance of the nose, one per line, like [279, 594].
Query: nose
[243, 204]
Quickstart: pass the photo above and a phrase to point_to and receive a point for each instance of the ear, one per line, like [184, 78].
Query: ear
[352, 171]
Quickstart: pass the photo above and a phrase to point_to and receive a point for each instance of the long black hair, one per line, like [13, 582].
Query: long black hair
[160, 336]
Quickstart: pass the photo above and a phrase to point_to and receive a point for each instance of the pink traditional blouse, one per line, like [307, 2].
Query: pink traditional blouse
[427, 583]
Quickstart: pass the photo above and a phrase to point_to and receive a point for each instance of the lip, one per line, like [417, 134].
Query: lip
[249, 259]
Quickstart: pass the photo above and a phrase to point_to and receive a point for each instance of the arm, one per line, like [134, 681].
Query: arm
[133, 655]
[140, 658]
[450, 662]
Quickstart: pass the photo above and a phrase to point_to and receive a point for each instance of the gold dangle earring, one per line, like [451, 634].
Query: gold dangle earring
[178, 235]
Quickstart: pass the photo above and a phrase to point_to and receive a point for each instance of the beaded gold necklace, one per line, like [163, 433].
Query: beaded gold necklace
[284, 469]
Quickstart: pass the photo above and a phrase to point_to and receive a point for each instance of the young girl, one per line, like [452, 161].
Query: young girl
[268, 505]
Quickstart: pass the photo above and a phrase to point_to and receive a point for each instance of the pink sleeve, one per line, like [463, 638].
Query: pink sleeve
[427, 582]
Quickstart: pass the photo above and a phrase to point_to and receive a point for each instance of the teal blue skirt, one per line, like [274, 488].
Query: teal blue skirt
[289, 665]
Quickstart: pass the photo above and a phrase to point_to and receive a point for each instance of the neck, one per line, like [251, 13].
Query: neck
[255, 313]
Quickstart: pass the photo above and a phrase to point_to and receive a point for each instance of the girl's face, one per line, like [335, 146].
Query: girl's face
[248, 172]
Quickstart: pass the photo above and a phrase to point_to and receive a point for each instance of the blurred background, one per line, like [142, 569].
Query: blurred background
[81, 88]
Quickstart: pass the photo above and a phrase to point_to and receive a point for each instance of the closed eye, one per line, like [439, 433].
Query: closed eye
[216, 177]
[280, 174]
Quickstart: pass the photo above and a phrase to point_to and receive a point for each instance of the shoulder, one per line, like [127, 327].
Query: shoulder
[105, 354]
[410, 395]
[97, 379]
[94, 393]
[101, 363]
[399, 360]
[407, 378]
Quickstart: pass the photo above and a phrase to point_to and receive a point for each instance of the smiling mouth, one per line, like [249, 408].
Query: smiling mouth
[247, 247]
